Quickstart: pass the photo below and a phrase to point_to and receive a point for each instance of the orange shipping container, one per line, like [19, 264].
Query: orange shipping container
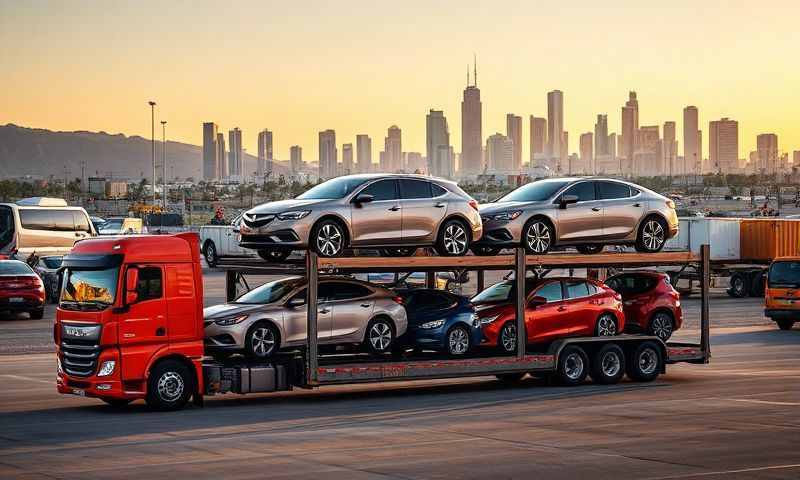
[763, 239]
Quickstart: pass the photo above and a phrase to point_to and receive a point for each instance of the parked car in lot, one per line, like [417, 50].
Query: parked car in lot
[47, 269]
[440, 321]
[42, 225]
[21, 290]
[587, 213]
[273, 316]
[650, 302]
[121, 226]
[782, 295]
[555, 308]
[396, 213]
[222, 241]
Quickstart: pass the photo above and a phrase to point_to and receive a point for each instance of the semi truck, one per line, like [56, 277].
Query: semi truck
[129, 326]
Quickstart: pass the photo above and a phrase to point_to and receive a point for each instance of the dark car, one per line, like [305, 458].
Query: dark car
[440, 321]
[21, 290]
[650, 302]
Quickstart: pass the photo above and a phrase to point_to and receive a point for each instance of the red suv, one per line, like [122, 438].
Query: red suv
[21, 290]
[556, 308]
[651, 304]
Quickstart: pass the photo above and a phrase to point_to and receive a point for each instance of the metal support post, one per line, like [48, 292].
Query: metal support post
[481, 280]
[430, 279]
[312, 352]
[519, 278]
[705, 282]
[230, 285]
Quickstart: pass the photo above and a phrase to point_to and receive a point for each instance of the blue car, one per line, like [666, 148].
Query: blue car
[441, 321]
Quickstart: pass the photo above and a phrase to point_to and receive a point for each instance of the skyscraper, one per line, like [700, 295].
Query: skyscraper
[295, 159]
[264, 166]
[648, 152]
[347, 159]
[471, 129]
[393, 148]
[767, 148]
[363, 153]
[222, 159]
[555, 127]
[210, 151]
[630, 128]
[514, 133]
[500, 155]
[235, 153]
[538, 140]
[723, 145]
[414, 162]
[587, 154]
[437, 145]
[796, 159]
[670, 149]
[328, 161]
[601, 135]
[692, 146]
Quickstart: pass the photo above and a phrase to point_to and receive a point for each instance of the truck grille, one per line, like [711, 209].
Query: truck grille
[79, 357]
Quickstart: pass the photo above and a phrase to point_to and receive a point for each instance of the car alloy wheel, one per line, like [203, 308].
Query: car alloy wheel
[653, 235]
[211, 254]
[170, 386]
[330, 240]
[538, 237]
[661, 326]
[262, 342]
[458, 341]
[606, 326]
[574, 366]
[380, 336]
[508, 337]
[455, 239]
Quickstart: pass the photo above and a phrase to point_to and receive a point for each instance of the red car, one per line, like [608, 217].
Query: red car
[651, 304]
[556, 308]
[21, 290]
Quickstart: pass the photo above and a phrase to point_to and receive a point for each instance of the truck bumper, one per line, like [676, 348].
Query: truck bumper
[780, 314]
[95, 388]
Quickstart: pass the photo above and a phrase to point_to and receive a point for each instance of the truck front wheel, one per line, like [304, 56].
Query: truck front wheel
[170, 385]
[785, 324]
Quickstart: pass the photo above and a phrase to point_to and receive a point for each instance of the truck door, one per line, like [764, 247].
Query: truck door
[182, 322]
[143, 326]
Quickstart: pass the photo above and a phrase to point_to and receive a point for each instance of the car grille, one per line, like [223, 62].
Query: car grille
[79, 357]
[256, 220]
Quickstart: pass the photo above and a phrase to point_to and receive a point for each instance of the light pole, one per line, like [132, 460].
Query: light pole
[164, 163]
[153, 144]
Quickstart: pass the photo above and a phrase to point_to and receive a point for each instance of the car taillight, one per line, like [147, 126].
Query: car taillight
[398, 300]
[474, 204]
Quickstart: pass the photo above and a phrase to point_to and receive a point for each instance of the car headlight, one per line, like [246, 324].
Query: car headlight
[107, 368]
[488, 320]
[433, 324]
[294, 215]
[474, 320]
[511, 215]
[231, 320]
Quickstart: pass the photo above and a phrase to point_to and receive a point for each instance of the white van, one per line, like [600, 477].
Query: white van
[41, 225]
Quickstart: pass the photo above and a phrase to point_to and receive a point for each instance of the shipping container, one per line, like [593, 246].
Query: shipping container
[763, 239]
[721, 233]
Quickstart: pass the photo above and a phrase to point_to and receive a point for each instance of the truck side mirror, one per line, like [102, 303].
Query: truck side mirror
[131, 285]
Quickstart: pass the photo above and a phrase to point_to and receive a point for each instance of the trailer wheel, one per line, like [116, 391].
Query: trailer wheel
[785, 324]
[573, 366]
[169, 386]
[608, 365]
[645, 362]
[740, 285]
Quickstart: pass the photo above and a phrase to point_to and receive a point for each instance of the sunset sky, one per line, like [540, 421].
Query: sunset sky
[360, 66]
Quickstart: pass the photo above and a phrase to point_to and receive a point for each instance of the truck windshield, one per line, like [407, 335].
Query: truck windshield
[89, 289]
[784, 275]
[269, 292]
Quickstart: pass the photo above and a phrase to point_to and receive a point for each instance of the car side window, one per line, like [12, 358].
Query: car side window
[150, 283]
[613, 190]
[81, 222]
[347, 291]
[593, 290]
[551, 291]
[577, 289]
[410, 189]
[325, 292]
[434, 300]
[382, 190]
[437, 191]
[585, 191]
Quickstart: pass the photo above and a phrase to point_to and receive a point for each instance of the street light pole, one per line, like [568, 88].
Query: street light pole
[164, 163]
[153, 144]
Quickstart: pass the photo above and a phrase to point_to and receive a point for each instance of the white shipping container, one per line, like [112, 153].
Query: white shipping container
[722, 234]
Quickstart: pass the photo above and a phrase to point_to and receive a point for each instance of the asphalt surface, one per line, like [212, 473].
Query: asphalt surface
[734, 418]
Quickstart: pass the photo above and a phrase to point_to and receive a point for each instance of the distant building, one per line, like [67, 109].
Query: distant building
[630, 129]
[555, 127]
[392, 160]
[116, 189]
[96, 185]
[670, 150]
[601, 135]
[222, 159]
[767, 148]
[347, 159]
[437, 145]
[723, 145]
[264, 166]
[796, 159]
[363, 153]
[692, 141]
[235, 158]
[210, 151]
[647, 156]
[471, 130]
[295, 159]
[414, 162]
[538, 141]
[514, 132]
[587, 155]
[327, 154]
[500, 155]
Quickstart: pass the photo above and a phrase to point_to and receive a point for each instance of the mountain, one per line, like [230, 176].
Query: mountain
[40, 152]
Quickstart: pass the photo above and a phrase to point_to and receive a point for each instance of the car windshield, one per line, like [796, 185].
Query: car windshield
[52, 262]
[112, 224]
[269, 292]
[503, 292]
[14, 267]
[332, 189]
[535, 191]
[784, 274]
[89, 288]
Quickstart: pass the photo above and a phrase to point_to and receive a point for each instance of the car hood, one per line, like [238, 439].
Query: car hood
[284, 205]
[231, 309]
[490, 208]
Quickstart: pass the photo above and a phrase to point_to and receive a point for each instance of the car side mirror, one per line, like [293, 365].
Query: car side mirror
[536, 301]
[363, 198]
[296, 302]
[568, 199]
[131, 286]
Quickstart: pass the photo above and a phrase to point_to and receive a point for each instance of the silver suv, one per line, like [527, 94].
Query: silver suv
[396, 213]
[274, 315]
[587, 213]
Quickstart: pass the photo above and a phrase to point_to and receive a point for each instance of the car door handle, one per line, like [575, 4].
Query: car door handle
[595, 209]
[366, 305]
[637, 205]
[323, 310]
[394, 209]
[160, 332]
[562, 308]
[440, 205]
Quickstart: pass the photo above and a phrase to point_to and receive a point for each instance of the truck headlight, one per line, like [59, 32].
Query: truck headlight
[294, 215]
[433, 324]
[231, 321]
[107, 368]
[488, 320]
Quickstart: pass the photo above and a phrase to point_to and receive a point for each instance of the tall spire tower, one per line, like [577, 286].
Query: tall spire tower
[471, 126]
[474, 70]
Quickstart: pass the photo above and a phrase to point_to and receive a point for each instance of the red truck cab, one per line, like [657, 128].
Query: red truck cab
[129, 324]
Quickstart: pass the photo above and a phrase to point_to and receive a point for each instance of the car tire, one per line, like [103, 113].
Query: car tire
[458, 341]
[210, 254]
[644, 363]
[511, 377]
[453, 239]
[606, 326]
[652, 235]
[261, 341]
[538, 237]
[37, 314]
[590, 249]
[785, 324]
[169, 385]
[274, 255]
[662, 325]
[380, 336]
[328, 238]
[608, 365]
[485, 251]
[740, 285]
[399, 252]
[117, 402]
[507, 338]
[573, 366]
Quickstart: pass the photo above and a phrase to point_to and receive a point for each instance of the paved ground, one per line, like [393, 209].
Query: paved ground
[735, 418]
